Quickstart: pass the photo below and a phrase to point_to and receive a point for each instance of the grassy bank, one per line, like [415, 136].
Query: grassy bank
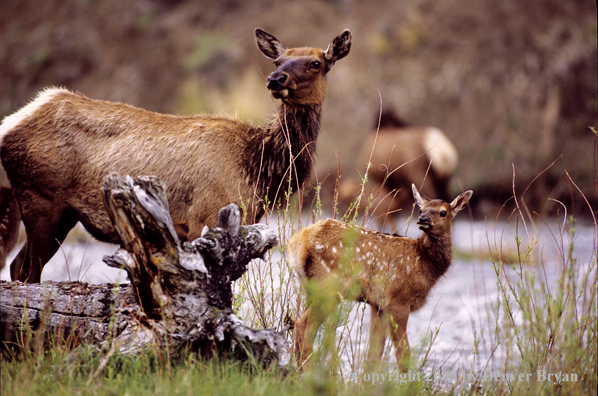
[540, 336]
[545, 333]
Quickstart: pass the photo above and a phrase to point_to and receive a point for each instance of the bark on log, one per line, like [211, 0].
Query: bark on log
[180, 295]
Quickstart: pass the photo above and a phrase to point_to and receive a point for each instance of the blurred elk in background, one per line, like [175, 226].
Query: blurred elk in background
[400, 155]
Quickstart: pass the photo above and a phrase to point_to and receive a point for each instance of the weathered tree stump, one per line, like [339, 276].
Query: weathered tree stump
[180, 295]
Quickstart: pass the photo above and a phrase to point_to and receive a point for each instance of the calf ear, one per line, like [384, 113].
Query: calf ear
[420, 199]
[339, 48]
[268, 44]
[461, 201]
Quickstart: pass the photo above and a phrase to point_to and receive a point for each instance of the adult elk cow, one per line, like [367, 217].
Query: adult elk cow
[57, 149]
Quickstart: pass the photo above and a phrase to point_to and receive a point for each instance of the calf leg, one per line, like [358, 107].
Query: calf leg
[378, 326]
[303, 338]
[306, 329]
[398, 333]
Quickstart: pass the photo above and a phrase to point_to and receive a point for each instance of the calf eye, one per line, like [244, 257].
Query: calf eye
[315, 65]
[276, 63]
[443, 213]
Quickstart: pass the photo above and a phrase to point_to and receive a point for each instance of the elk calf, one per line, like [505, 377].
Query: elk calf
[57, 150]
[395, 274]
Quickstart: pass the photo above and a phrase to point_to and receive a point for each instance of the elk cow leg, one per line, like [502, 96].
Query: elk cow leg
[46, 229]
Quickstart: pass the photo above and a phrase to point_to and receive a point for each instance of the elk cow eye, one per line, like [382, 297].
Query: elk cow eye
[443, 213]
[315, 65]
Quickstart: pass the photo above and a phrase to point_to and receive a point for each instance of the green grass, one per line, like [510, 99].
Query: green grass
[59, 373]
[541, 328]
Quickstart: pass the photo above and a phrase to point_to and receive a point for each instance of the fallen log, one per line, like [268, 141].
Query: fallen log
[180, 295]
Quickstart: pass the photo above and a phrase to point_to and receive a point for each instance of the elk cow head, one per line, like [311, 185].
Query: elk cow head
[301, 75]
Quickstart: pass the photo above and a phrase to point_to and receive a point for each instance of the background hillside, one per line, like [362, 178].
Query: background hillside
[511, 82]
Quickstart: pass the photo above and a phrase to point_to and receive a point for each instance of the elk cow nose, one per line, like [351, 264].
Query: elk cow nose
[276, 81]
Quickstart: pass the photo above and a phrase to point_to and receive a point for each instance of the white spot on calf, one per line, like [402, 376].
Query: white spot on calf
[319, 246]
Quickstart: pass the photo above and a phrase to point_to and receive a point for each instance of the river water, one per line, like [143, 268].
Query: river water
[458, 310]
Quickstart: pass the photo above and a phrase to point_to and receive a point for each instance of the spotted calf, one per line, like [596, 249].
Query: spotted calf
[395, 274]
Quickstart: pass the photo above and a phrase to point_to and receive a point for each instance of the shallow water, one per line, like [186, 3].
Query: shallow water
[457, 307]
[79, 258]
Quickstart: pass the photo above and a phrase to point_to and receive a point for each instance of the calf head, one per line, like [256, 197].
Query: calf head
[435, 214]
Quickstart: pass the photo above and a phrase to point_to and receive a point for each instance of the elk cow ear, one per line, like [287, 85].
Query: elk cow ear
[268, 44]
[339, 48]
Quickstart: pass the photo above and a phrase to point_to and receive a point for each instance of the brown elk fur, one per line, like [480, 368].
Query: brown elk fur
[57, 150]
[394, 274]
[10, 218]
[401, 155]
